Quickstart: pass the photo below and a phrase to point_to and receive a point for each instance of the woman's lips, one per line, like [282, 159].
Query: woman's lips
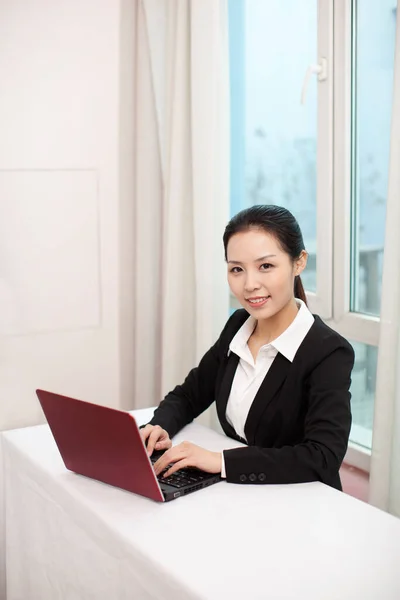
[258, 302]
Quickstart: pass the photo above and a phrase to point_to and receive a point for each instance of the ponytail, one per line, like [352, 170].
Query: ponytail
[299, 289]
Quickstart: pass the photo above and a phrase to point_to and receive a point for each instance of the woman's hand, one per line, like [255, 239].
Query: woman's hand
[157, 438]
[187, 454]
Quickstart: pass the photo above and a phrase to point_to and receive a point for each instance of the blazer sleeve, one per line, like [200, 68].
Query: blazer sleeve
[326, 432]
[188, 400]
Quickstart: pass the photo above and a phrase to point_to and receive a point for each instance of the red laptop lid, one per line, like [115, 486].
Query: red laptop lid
[100, 442]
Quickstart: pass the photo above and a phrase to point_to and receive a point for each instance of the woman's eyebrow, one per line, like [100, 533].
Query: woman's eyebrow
[237, 262]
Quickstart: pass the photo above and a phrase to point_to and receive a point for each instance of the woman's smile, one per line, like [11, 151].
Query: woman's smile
[258, 301]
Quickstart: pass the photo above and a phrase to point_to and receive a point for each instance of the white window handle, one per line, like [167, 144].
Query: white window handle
[321, 69]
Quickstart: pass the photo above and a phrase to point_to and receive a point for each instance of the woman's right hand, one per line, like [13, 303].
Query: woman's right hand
[156, 438]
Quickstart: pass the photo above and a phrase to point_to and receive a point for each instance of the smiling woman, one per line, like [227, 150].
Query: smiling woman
[279, 376]
[254, 236]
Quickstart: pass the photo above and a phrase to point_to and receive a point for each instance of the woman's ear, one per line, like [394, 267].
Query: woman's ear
[300, 263]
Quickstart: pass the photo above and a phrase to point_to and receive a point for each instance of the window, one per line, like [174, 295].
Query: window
[363, 389]
[277, 143]
[363, 74]
[326, 160]
[373, 35]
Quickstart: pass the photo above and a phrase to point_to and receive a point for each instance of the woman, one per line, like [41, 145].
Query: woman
[280, 377]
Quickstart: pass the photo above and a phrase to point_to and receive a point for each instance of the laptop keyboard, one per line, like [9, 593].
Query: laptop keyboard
[180, 478]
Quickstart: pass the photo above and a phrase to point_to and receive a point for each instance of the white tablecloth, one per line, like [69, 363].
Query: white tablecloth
[72, 538]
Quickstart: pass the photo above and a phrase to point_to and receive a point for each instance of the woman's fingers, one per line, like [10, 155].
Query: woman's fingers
[170, 456]
[158, 436]
[181, 464]
[164, 460]
[163, 444]
[188, 455]
[154, 436]
[145, 432]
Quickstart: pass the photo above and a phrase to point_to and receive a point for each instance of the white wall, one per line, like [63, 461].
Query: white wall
[66, 111]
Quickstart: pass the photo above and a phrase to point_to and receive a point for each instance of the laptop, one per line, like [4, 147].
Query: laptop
[105, 444]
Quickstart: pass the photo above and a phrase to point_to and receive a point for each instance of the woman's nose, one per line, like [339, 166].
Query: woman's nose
[251, 282]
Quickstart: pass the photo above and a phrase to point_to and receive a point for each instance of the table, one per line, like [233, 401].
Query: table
[71, 538]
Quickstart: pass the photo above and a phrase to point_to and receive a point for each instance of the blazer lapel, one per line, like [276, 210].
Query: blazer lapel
[223, 395]
[273, 380]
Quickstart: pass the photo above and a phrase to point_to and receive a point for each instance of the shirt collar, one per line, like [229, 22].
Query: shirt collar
[239, 341]
[287, 343]
[290, 340]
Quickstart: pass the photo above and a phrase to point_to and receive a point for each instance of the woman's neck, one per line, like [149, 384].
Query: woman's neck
[269, 329]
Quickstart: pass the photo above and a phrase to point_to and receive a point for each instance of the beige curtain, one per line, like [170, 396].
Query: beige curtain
[182, 195]
[385, 463]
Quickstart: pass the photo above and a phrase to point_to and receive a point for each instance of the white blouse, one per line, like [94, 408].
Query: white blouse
[250, 374]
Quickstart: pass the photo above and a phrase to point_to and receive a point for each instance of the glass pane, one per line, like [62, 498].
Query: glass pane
[374, 28]
[363, 393]
[273, 136]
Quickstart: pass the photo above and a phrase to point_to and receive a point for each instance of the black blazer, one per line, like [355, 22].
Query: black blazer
[298, 426]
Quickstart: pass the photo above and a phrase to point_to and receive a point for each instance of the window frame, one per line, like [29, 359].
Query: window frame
[321, 301]
[358, 327]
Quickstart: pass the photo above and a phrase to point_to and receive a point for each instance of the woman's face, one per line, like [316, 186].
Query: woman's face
[260, 274]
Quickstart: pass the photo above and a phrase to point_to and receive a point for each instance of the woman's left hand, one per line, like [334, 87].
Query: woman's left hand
[187, 454]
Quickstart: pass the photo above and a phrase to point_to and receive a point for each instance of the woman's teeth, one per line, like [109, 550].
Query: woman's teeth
[258, 300]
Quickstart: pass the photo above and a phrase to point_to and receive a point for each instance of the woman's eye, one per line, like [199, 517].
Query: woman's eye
[265, 267]
[236, 270]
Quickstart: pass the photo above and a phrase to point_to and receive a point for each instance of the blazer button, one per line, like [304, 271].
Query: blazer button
[252, 477]
[262, 477]
[243, 478]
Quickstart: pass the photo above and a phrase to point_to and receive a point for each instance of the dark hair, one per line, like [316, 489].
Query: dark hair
[277, 221]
